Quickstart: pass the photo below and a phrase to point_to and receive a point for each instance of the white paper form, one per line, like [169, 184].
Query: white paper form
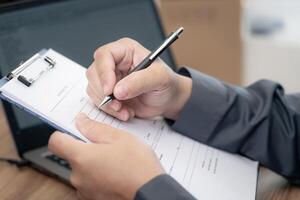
[206, 172]
[64, 83]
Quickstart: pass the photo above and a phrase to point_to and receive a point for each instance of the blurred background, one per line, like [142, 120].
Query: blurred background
[238, 41]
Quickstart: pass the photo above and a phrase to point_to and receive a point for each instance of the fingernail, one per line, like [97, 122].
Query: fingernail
[116, 106]
[131, 113]
[80, 117]
[105, 89]
[121, 91]
[125, 116]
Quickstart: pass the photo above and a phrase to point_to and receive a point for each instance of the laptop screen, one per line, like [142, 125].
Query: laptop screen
[74, 28]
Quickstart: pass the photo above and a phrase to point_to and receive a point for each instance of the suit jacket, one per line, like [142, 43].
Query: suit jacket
[260, 122]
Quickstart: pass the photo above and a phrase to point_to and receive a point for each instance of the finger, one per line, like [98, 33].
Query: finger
[92, 95]
[115, 105]
[123, 114]
[97, 100]
[120, 53]
[94, 80]
[106, 58]
[79, 195]
[116, 111]
[130, 106]
[131, 113]
[94, 131]
[114, 108]
[140, 82]
[64, 145]
[94, 91]
[106, 71]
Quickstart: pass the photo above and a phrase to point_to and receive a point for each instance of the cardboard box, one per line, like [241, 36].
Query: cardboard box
[211, 41]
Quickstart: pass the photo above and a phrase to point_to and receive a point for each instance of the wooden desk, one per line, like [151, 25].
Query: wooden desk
[26, 183]
[29, 184]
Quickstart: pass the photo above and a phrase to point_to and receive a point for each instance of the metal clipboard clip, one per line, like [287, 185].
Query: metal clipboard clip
[28, 81]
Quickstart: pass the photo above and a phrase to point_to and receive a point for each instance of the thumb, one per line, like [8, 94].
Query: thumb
[140, 82]
[95, 131]
[64, 145]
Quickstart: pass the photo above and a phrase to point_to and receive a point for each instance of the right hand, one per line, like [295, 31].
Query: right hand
[154, 91]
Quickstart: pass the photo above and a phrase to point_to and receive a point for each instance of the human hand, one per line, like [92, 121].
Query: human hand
[114, 166]
[154, 91]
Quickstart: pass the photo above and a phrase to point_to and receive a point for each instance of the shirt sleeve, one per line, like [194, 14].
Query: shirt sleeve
[163, 187]
[260, 122]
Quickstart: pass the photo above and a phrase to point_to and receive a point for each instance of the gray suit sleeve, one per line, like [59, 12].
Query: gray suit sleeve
[163, 187]
[260, 122]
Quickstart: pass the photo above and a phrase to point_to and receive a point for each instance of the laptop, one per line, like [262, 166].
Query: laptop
[75, 28]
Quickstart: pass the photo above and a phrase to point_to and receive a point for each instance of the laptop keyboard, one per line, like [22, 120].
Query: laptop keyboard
[58, 160]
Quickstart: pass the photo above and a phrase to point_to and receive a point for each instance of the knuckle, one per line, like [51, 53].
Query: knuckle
[74, 180]
[126, 40]
[103, 50]
[129, 42]
[99, 52]
[96, 53]
[89, 91]
[127, 63]
[103, 76]
[91, 95]
[88, 126]
[52, 143]
[164, 75]
[88, 73]
[79, 196]
[108, 110]
[76, 160]
[166, 79]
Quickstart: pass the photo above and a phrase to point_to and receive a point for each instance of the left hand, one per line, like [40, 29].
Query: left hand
[114, 166]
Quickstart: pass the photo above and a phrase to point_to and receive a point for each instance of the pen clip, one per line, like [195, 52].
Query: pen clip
[170, 39]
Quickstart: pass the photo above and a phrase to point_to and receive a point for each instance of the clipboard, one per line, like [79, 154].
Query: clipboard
[178, 154]
[29, 81]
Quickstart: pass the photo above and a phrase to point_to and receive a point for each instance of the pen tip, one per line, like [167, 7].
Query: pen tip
[180, 30]
[105, 101]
